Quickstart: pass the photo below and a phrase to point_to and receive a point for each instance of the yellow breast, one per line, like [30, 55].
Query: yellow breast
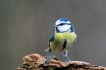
[57, 43]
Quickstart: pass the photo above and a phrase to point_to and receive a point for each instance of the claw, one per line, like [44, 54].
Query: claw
[47, 60]
[66, 61]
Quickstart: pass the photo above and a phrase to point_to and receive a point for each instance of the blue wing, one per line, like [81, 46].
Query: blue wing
[51, 38]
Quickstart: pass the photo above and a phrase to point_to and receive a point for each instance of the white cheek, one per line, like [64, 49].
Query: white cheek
[63, 28]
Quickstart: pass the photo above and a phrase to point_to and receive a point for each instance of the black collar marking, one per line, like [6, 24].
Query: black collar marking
[64, 44]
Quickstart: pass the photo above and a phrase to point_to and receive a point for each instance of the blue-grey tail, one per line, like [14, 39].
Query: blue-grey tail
[48, 50]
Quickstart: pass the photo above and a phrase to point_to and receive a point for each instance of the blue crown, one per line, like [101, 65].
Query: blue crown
[63, 19]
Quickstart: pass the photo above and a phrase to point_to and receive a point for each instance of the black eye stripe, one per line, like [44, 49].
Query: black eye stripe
[63, 24]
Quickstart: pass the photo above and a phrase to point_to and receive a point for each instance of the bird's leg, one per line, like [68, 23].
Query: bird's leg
[65, 55]
[48, 58]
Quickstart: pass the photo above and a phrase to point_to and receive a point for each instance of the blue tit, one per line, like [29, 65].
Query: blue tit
[62, 39]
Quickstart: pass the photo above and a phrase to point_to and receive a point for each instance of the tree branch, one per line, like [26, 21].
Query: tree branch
[36, 62]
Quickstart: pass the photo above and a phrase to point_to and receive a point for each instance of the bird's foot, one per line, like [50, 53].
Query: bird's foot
[47, 60]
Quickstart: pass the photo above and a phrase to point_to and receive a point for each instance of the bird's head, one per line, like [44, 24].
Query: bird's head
[63, 25]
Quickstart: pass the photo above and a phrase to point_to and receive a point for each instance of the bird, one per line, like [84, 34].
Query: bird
[62, 39]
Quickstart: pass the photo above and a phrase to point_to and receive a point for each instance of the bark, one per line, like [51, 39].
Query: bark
[36, 62]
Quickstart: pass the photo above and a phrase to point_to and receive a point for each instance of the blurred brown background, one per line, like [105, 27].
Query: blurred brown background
[26, 25]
